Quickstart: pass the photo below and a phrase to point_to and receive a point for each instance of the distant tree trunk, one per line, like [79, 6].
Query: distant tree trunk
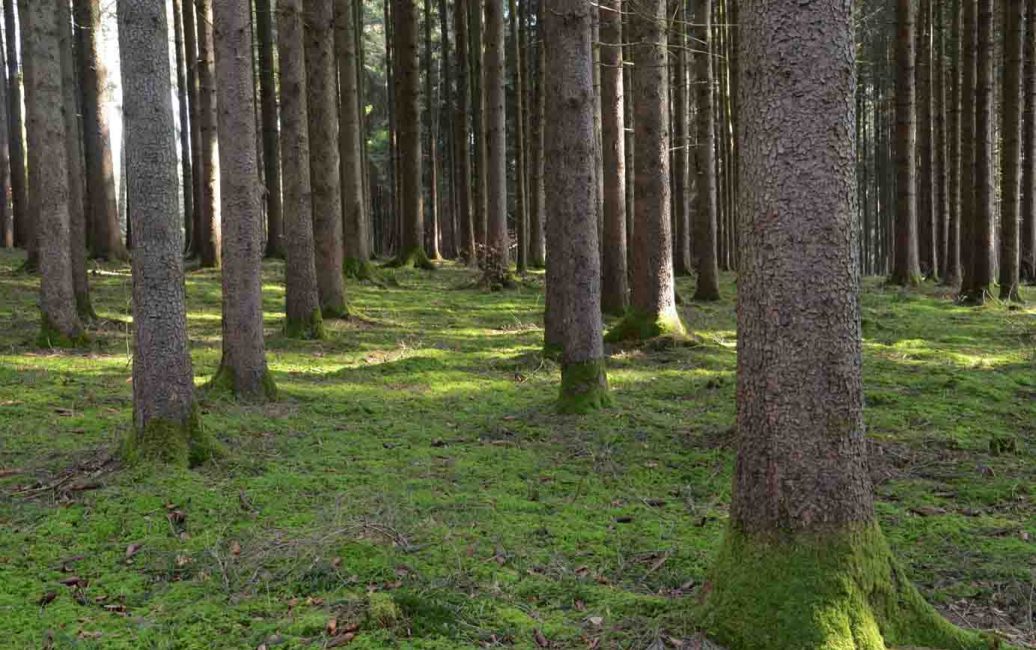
[182, 96]
[952, 271]
[521, 214]
[356, 237]
[190, 43]
[302, 297]
[906, 270]
[537, 209]
[925, 186]
[445, 117]
[23, 228]
[653, 298]
[211, 222]
[165, 415]
[6, 213]
[705, 214]
[49, 175]
[103, 210]
[32, 249]
[978, 273]
[497, 240]
[571, 190]
[242, 370]
[969, 44]
[431, 137]
[1011, 155]
[271, 144]
[478, 110]
[324, 161]
[614, 279]
[74, 155]
[681, 148]
[1028, 209]
[462, 135]
[939, 162]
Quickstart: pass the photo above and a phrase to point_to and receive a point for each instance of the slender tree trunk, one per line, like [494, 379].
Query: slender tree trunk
[614, 279]
[354, 225]
[521, 216]
[705, 213]
[6, 213]
[186, 168]
[445, 115]
[242, 370]
[939, 162]
[571, 189]
[537, 206]
[497, 240]
[906, 270]
[23, 228]
[1028, 209]
[1011, 155]
[478, 110]
[462, 134]
[969, 44]
[978, 273]
[211, 237]
[49, 174]
[925, 185]
[165, 415]
[190, 46]
[271, 143]
[431, 137]
[653, 298]
[952, 271]
[682, 264]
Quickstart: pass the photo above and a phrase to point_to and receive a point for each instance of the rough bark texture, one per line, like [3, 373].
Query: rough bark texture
[614, 280]
[1028, 209]
[951, 274]
[652, 298]
[1014, 30]
[431, 136]
[102, 209]
[164, 413]
[6, 214]
[521, 213]
[355, 233]
[23, 228]
[190, 46]
[462, 135]
[940, 147]
[302, 298]
[925, 186]
[271, 144]
[968, 145]
[497, 241]
[571, 190]
[906, 269]
[325, 176]
[182, 105]
[682, 264]
[478, 113]
[978, 272]
[804, 564]
[537, 211]
[243, 366]
[211, 236]
[32, 249]
[408, 121]
[704, 235]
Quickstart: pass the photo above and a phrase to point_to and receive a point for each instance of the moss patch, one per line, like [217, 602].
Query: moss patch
[415, 258]
[584, 387]
[182, 444]
[308, 329]
[638, 326]
[51, 337]
[355, 269]
[224, 384]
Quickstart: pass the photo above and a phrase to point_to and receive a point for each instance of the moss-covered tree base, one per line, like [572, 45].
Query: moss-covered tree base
[841, 590]
[334, 312]
[308, 329]
[584, 387]
[223, 384]
[906, 280]
[51, 337]
[183, 444]
[706, 293]
[415, 258]
[356, 269]
[638, 326]
[552, 351]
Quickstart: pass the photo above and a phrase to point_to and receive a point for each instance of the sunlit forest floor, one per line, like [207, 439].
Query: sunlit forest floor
[414, 488]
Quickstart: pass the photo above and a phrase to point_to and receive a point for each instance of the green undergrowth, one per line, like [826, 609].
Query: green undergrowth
[415, 479]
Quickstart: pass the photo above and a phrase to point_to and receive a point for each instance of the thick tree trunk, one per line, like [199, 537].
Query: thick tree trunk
[186, 166]
[705, 233]
[906, 269]
[804, 563]
[462, 135]
[1011, 155]
[242, 370]
[49, 174]
[682, 264]
[614, 279]
[23, 227]
[537, 209]
[978, 272]
[652, 298]
[165, 416]
[302, 297]
[1028, 209]
[271, 144]
[325, 175]
[497, 264]
[211, 237]
[571, 190]
[355, 234]
[521, 213]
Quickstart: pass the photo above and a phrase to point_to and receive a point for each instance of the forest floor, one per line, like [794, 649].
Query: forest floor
[413, 486]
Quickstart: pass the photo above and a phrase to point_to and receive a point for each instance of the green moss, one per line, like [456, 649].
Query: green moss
[835, 590]
[51, 337]
[223, 384]
[334, 312]
[382, 610]
[638, 326]
[415, 258]
[183, 444]
[311, 328]
[358, 269]
[584, 387]
[908, 280]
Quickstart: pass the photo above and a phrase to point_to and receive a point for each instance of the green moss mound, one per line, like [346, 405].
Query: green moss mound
[182, 444]
[415, 258]
[584, 387]
[223, 384]
[839, 590]
[310, 328]
[334, 312]
[51, 337]
[639, 326]
[357, 269]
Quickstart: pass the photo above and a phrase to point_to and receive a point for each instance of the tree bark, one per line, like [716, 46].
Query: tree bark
[704, 235]
[271, 144]
[952, 271]
[497, 264]
[6, 212]
[432, 233]
[652, 298]
[211, 237]
[571, 190]
[940, 151]
[906, 269]
[23, 227]
[355, 234]
[49, 174]
[190, 43]
[479, 190]
[537, 210]
[462, 135]
[521, 214]
[165, 415]
[242, 370]
[978, 272]
[925, 186]
[1028, 209]
[614, 279]
[1011, 155]
[682, 264]
[182, 97]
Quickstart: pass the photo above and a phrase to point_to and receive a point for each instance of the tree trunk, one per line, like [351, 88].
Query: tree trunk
[186, 167]
[682, 264]
[705, 214]
[23, 227]
[6, 213]
[925, 186]
[462, 134]
[940, 155]
[49, 174]
[325, 175]
[521, 214]
[271, 144]
[1014, 31]
[479, 191]
[1028, 209]
[355, 233]
[952, 271]
[537, 209]
[652, 299]
[431, 138]
[804, 563]
[190, 46]
[614, 280]
[968, 145]
[978, 272]
[571, 190]
[497, 240]
[445, 114]
[211, 222]
[906, 270]
[242, 370]
[165, 415]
